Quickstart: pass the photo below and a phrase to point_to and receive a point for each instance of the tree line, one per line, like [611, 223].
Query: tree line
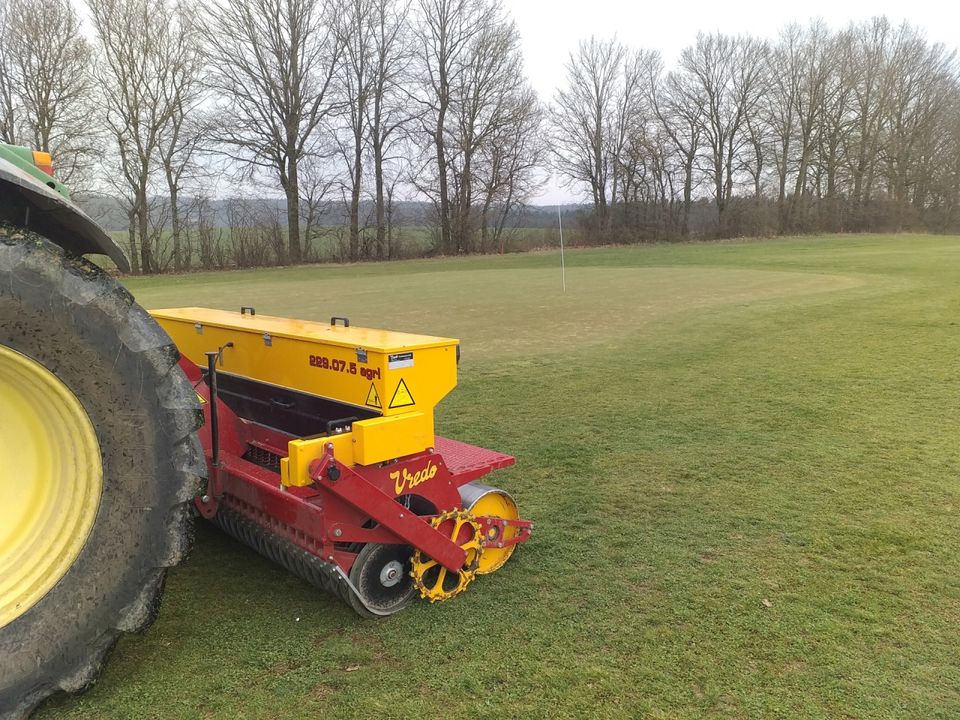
[353, 101]
[819, 130]
[173, 105]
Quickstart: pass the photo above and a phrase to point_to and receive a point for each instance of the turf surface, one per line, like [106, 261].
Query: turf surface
[742, 460]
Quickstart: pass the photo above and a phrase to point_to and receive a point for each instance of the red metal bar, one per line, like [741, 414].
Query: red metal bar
[383, 508]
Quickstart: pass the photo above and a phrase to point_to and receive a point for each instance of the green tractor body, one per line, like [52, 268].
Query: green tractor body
[33, 200]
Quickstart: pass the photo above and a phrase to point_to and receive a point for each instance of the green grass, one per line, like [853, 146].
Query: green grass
[742, 460]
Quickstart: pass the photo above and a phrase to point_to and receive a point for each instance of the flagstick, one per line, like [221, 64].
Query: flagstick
[563, 269]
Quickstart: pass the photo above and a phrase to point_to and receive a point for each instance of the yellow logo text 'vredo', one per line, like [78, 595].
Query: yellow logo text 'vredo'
[406, 480]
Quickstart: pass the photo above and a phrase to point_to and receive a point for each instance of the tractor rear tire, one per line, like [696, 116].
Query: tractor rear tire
[68, 320]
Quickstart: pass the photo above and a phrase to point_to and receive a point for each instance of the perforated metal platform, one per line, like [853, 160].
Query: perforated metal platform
[465, 459]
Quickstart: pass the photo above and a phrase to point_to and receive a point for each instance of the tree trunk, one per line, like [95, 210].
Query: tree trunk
[132, 239]
[783, 221]
[483, 230]
[143, 223]
[445, 239]
[355, 200]
[143, 218]
[464, 241]
[687, 196]
[801, 183]
[175, 222]
[378, 190]
[292, 193]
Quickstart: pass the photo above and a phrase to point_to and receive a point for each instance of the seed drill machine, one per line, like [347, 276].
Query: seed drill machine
[312, 442]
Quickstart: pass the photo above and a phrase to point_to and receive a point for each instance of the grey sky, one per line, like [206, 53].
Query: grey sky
[551, 29]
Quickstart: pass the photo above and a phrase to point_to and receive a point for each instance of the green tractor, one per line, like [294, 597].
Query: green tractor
[97, 433]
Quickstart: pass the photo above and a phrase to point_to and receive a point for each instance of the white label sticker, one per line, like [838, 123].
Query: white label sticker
[399, 361]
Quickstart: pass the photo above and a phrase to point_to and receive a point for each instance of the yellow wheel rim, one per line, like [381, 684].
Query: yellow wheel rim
[51, 479]
[495, 503]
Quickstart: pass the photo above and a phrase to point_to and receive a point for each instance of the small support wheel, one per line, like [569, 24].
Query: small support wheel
[381, 573]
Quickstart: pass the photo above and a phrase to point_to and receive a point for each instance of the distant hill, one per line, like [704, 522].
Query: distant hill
[110, 212]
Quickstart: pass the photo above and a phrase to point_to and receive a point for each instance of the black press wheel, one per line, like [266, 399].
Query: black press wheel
[381, 573]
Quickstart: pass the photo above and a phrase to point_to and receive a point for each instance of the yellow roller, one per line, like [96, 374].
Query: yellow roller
[485, 501]
[51, 481]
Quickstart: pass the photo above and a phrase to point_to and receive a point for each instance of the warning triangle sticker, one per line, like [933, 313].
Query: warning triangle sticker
[373, 400]
[402, 396]
[202, 399]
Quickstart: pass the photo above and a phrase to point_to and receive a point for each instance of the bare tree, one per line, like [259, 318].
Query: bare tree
[923, 80]
[426, 100]
[507, 167]
[52, 85]
[581, 119]
[388, 112]
[491, 99]
[272, 65]
[8, 121]
[870, 49]
[800, 66]
[780, 108]
[210, 241]
[316, 181]
[631, 136]
[836, 122]
[728, 73]
[355, 76]
[678, 104]
[628, 136]
[817, 58]
[944, 180]
[446, 32]
[630, 115]
[372, 75]
[141, 55]
[181, 136]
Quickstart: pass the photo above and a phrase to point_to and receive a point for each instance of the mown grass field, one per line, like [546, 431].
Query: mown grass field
[743, 463]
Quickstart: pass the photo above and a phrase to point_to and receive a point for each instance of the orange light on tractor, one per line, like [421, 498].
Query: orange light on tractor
[44, 161]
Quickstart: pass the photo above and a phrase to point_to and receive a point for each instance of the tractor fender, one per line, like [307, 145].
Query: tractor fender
[29, 203]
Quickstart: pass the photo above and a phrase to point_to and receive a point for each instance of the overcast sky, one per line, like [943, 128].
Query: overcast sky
[552, 28]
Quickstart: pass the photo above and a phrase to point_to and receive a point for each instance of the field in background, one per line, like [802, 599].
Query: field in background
[742, 459]
[329, 244]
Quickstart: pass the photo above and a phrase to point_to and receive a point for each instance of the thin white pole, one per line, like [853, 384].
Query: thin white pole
[563, 269]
